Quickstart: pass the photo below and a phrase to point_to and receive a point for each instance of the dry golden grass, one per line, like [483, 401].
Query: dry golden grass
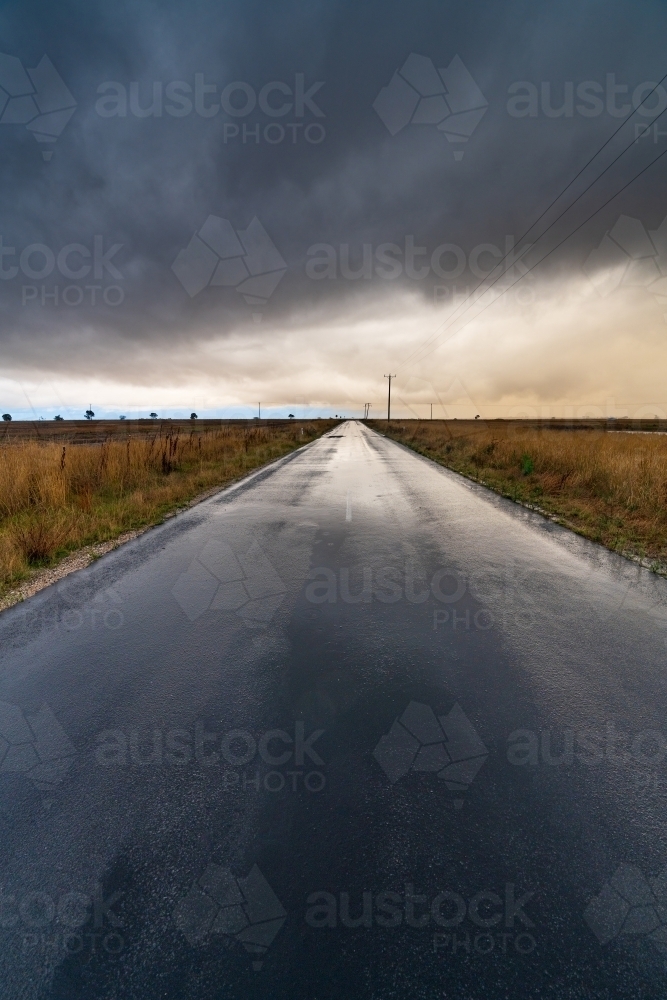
[57, 497]
[609, 486]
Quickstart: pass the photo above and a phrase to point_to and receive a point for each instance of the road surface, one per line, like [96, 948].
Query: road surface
[354, 728]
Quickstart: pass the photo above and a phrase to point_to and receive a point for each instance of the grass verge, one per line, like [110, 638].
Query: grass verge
[608, 486]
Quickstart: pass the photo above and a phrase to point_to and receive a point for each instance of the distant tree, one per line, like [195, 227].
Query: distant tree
[153, 416]
[291, 416]
[193, 416]
[89, 414]
[58, 417]
[6, 416]
[122, 417]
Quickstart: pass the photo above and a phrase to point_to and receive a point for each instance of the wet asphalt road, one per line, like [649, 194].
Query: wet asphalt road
[355, 728]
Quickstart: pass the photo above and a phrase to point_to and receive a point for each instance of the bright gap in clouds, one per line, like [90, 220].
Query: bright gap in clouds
[555, 349]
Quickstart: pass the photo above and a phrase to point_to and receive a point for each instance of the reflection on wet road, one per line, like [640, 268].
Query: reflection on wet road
[355, 728]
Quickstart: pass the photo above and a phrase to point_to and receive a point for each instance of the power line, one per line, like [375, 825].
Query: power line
[450, 319]
[553, 249]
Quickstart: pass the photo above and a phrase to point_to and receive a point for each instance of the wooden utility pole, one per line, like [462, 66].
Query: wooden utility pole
[390, 377]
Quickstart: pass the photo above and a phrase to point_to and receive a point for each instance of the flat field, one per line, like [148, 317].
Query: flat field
[605, 480]
[69, 484]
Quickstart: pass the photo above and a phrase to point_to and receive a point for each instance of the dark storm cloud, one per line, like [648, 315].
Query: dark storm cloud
[327, 171]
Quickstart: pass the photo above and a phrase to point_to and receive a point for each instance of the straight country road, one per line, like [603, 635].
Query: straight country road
[355, 728]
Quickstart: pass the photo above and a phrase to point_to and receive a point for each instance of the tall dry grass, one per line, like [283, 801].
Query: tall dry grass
[609, 486]
[57, 497]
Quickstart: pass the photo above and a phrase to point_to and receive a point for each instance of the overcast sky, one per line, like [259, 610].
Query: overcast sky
[205, 205]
